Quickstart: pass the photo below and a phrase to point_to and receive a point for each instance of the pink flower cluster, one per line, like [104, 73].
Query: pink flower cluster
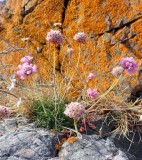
[55, 37]
[70, 50]
[92, 93]
[91, 76]
[27, 68]
[4, 112]
[129, 64]
[75, 110]
[117, 71]
[80, 37]
[27, 59]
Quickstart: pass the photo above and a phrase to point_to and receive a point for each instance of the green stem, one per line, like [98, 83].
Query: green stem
[55, 94]
[54, 65]
[79, 53]
[103, 95]
[75, 125]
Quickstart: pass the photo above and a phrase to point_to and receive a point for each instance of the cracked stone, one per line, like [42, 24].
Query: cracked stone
[91, 147]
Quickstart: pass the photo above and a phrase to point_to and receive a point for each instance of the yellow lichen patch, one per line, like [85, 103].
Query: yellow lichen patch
[71, 140]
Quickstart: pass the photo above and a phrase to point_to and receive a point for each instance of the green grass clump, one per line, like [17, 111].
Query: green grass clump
[46, 114]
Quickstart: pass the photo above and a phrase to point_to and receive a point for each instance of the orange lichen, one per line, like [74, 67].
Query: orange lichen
[72, 139]
[59, 146]
[96, 18]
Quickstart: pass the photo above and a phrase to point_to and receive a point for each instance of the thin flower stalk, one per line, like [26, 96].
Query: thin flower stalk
[103, 95]
[79, 54]
[55, 91]
[75, 125]
[79, 136]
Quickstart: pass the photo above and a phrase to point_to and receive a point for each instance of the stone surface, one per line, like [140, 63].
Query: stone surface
[26, 142]
[132, 144]
[13, 124]
[91, 148]
[3, 2]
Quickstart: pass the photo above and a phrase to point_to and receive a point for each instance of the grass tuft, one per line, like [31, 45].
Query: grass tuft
[45, 115]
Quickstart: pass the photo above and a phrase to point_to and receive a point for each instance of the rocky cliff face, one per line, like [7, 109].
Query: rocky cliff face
[114, 30]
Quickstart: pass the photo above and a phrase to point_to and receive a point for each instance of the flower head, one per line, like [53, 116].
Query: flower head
[92, 93]
[55, 37]
[70, 50]
[129, 64]
[75, 110]
[117, 71]
[26, 69]
[91, 76]
[80, 37]
[27, 59]
[4, 112]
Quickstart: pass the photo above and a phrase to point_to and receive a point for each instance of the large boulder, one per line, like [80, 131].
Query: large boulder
[21, 141]
[92, 148]
[114, 30]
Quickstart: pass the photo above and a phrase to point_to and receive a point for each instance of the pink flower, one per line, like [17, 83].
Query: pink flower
[117, 71]
[26, 69]
[91, 76]
[80, 37]
[70, 50]
[27, 59]
[129, 64]
[4, 112]
[75, 110]
[55, 37]
[92, 93]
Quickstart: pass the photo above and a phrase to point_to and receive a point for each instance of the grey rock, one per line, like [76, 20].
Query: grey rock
[108, 22]
[22, 121]
[91, 148]
[27, 143]
[3, 2]
[107, 37]
[10, 124]
[132, 144]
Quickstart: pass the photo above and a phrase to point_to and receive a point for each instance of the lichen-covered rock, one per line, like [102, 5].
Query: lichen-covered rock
[113, 28]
